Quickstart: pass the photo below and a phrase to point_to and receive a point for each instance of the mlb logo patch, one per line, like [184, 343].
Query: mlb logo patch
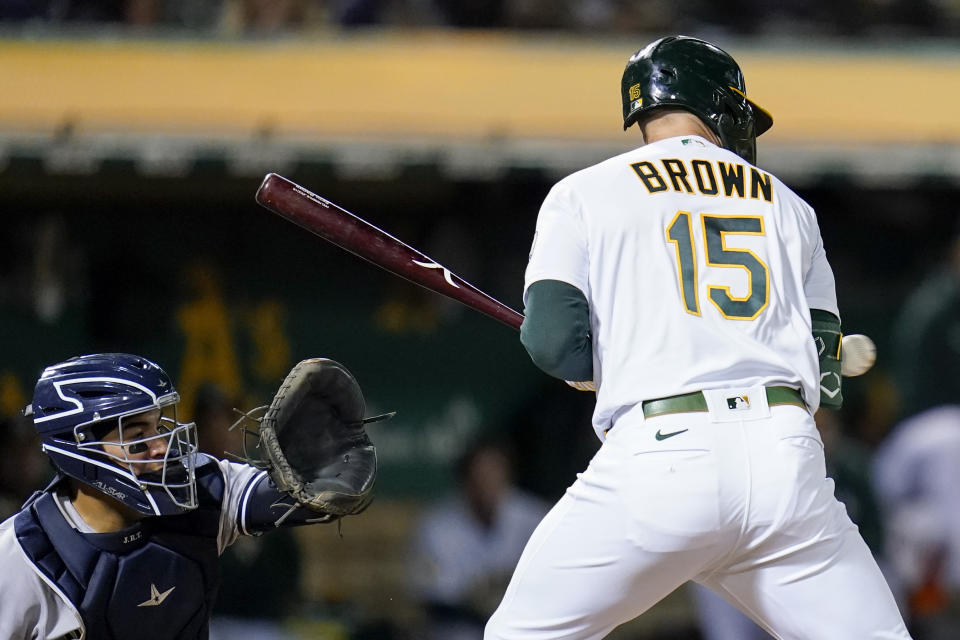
[738, 403]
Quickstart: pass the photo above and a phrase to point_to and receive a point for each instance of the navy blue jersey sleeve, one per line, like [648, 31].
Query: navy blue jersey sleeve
[263, 507]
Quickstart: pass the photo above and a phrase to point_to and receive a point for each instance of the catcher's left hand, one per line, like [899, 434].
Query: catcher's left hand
[316, 446]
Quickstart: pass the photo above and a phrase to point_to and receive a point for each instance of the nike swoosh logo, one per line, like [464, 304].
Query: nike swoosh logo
[156, 598]
[664, 436]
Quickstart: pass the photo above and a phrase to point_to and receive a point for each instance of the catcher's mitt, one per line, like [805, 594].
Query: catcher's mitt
[313, 435]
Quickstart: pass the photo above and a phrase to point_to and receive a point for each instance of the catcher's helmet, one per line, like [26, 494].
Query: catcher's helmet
[78, 402]
[678, 71]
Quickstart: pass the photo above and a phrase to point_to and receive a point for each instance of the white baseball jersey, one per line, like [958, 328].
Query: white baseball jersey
[699, 268]
[33, 609]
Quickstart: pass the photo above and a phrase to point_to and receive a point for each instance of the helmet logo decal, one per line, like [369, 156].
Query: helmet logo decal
[110, 491]
[635, 93]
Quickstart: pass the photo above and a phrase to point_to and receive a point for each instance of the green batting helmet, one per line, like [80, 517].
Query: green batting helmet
[692, 74]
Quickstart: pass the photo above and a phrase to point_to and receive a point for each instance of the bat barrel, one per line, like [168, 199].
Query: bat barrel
[351, 233]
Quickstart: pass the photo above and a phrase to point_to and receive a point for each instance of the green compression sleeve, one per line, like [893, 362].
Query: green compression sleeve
[826, 335]
[556, 330]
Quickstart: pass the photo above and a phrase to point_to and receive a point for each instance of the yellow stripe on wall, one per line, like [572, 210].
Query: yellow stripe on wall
[444, 84]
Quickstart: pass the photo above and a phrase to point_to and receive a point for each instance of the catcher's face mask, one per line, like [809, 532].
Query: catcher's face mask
[156, 449]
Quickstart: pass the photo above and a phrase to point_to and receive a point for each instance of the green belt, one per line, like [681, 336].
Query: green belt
[694, 402]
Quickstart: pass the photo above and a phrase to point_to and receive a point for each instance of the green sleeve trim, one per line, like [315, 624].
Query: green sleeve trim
[827, 337]
[556, 330]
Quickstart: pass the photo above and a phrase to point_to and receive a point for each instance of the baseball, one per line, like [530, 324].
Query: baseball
[858, 353]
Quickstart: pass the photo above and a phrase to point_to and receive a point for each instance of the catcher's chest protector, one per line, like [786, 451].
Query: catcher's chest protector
[156, 580]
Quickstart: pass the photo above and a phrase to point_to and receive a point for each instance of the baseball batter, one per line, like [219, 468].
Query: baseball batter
[693, 289]
[125, 541]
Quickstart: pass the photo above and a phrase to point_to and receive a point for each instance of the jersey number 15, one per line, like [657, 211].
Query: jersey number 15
[716, 254]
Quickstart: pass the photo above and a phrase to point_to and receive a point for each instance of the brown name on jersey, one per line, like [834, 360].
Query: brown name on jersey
[704, 177]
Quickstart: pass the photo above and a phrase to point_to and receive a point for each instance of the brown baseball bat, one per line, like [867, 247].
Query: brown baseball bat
[337, 225]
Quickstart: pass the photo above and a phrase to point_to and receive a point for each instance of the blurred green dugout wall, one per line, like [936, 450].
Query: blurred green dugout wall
[128, 168]
[221, 291]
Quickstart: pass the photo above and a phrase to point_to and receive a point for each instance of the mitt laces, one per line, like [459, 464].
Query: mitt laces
[245, 423]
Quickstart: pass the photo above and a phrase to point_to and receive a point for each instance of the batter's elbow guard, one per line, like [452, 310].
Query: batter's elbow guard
[827, 338]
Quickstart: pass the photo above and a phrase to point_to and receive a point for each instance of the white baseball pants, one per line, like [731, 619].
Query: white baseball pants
[734, 498]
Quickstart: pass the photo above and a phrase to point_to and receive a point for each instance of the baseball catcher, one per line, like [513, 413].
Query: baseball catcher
[125, 540]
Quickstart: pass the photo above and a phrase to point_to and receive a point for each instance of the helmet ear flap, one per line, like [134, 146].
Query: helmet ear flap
[726, 121]
[726, 117]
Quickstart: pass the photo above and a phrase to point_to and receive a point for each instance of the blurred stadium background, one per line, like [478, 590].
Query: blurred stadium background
[133, 135]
